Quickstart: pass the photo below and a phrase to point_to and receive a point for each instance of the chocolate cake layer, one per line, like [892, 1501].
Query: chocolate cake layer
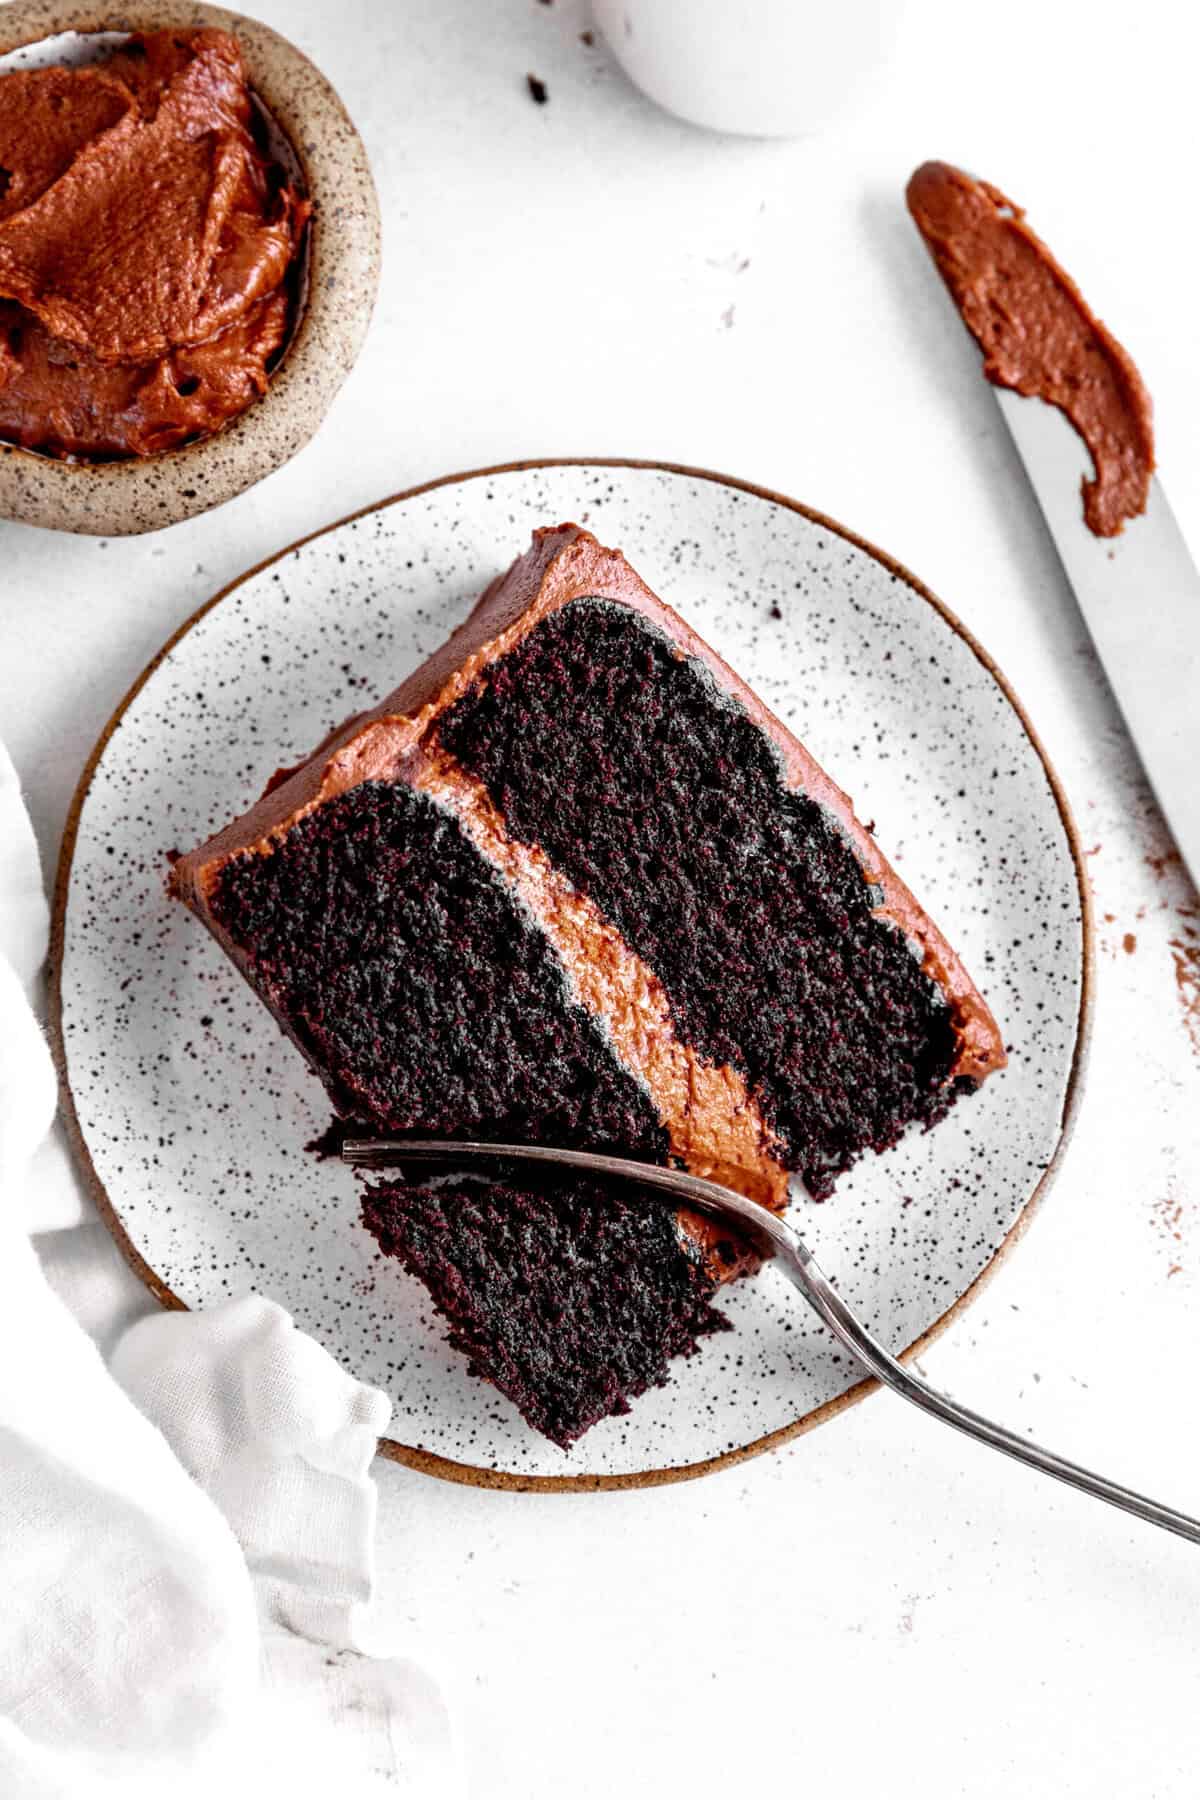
[418, 987]
[571, 1303]
[665, 804]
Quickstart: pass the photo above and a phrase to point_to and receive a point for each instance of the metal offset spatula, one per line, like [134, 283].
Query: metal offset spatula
[774, 1239]
[1139, 594]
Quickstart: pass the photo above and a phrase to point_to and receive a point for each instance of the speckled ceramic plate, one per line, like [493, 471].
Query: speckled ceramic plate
[191, 1110]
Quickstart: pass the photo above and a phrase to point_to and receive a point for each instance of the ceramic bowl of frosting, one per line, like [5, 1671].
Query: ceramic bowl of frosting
[166, 381]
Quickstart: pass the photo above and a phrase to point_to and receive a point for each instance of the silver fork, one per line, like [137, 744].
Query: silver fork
[772, 1237]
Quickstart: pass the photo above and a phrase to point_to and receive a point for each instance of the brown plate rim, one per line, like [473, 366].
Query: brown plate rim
[428, 1461]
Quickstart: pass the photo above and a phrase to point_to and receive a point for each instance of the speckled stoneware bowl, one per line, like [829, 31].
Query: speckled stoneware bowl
[191, 1111]
[146, 493]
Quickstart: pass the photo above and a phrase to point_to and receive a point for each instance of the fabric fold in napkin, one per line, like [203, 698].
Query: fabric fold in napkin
[186, 1535]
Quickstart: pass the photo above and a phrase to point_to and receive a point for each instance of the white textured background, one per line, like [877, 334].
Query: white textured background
[879, 1605]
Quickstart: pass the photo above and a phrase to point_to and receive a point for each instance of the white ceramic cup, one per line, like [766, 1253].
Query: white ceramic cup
[764, 68]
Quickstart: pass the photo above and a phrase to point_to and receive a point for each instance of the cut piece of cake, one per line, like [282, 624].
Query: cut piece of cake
[571, 1300]
[572, 882]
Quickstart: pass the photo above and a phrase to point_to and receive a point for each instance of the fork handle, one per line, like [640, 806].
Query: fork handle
[773, 1237]
[806, 1274]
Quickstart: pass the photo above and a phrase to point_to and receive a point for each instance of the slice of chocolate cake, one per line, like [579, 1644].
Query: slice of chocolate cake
[572, 882]
[571, 1300]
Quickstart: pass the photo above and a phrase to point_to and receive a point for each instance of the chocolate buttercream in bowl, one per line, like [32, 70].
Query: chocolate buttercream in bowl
[189, 244]
[150, 247]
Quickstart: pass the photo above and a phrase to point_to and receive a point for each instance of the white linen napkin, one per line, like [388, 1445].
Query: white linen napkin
[186, 1535]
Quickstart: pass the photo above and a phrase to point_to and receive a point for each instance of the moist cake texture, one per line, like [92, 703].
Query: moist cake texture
[665, 804]
[427, 994]
[571, 1301]
[573, 883]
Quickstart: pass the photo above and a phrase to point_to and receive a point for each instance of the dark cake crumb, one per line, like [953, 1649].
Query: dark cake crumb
[571, 1301]
[661, 799]
[426, 999]
[537, 89]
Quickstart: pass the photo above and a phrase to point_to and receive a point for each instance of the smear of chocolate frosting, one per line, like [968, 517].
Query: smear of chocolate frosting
[1038, 334]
